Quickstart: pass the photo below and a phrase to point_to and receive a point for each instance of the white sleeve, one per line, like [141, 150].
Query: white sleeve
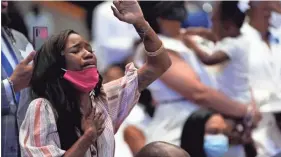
[8, 90]
[38, 133]
[122, 95]
[230, 47]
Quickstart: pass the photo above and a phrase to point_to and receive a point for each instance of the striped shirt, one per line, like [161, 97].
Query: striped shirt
[39, 135]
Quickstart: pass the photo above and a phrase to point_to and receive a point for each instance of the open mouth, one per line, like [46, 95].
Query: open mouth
[89, 66]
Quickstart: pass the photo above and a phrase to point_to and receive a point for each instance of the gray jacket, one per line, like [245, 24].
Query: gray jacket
[12, 116]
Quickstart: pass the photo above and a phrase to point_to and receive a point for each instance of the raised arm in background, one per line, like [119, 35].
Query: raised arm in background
[208, 59]
[188, 85]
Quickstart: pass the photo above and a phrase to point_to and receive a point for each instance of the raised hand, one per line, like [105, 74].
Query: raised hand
[127, 11]
[93, 124]
[22, 73]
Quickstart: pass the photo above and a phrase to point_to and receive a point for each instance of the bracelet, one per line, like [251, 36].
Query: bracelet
[155, 53]
[12, 88]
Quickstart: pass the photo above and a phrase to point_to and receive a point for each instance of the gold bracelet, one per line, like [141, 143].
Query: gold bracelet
[155, 53]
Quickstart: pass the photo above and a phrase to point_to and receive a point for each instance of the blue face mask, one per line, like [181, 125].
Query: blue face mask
[215, 145]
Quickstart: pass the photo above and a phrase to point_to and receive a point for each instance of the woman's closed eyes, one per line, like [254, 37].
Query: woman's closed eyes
[78, 47]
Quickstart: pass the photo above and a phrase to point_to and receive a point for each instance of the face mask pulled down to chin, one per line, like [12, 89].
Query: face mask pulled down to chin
[85, 80]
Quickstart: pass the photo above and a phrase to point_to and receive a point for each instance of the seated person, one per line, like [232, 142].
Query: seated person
[161, 149]
[209, 134]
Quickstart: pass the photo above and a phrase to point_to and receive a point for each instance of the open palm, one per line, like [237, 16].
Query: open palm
[127, 11]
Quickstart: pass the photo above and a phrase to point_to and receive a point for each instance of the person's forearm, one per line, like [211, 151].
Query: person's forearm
[134, 138]
[80, 147]
[157, 61]
[217, 101]
[150, 39]
[152, 43]
[209, 59]
[202, 55]
[205, 33]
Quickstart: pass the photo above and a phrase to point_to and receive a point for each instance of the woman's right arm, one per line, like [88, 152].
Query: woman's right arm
[181, 78]
[39, 136]
[93, 124]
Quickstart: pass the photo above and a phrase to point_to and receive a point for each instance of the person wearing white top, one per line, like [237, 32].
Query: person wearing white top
[186, 85]
[265, 78]
[232, 51]
[232, 80]
[113, 39]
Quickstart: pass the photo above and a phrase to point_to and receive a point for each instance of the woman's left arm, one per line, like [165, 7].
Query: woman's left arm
[157, 61]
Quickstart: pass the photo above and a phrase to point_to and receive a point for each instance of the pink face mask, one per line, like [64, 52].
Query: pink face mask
[84, 80]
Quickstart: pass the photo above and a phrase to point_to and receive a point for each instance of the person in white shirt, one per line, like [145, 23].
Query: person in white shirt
[232, 47]
[186, 86]
[265, 78]
[232, 51]
[113, 39]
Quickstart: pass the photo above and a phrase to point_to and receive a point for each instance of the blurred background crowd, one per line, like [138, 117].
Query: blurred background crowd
[165, 112]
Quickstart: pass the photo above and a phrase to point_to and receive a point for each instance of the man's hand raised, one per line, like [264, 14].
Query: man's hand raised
[22, 73]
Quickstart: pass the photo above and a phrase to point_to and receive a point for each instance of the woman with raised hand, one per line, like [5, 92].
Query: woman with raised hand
[73, 113]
